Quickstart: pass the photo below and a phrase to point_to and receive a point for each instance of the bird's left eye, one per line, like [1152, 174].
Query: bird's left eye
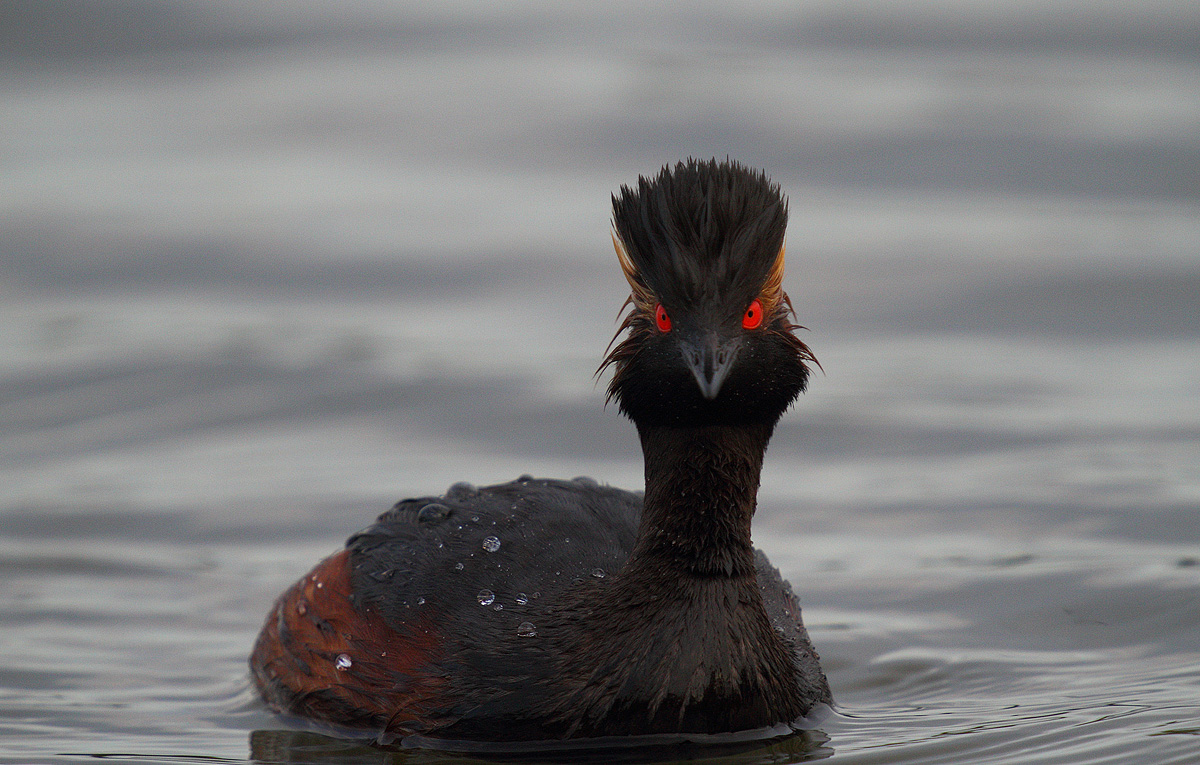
[753, 316]
[662, 319]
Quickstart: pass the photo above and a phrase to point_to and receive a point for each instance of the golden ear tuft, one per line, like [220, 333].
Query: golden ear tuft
[772, 290]
[641, 296]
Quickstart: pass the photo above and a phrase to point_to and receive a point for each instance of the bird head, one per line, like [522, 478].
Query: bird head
[709, 338]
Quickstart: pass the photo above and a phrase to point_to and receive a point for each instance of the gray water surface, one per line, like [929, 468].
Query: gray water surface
[266, 268]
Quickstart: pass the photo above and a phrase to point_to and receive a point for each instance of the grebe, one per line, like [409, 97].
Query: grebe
[540, 610]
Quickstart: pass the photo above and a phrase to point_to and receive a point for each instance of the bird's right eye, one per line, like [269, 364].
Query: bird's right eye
[752, 318]
[661, 319]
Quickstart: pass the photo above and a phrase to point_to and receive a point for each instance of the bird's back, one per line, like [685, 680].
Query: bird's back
[492, 556]
[379, 634]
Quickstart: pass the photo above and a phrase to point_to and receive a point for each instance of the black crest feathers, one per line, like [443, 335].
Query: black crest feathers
[701, 232]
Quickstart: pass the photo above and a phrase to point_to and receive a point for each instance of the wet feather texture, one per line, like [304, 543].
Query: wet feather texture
[678, 640]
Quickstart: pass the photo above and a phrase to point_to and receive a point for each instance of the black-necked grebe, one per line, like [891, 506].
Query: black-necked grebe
[544, 609]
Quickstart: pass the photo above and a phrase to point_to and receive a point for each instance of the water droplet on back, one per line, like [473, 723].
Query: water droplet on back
[486, 597]
[526, 629]
[461, 489]
[522, 598]
[491, 544]
[433, 512]
[599, 573]
[343, 662]
[458, 566]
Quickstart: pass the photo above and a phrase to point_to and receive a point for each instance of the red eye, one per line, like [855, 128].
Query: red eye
[661, 319]
[753, 316]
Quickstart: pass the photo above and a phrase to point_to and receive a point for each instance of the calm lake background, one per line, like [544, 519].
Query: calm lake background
[266, 268]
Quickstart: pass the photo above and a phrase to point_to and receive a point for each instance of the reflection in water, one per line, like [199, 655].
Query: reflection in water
[307, 746]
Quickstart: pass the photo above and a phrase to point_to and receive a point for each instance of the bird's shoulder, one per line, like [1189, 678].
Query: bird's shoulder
[510, 546]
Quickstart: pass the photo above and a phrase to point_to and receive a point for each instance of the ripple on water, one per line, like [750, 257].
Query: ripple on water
[990, 706]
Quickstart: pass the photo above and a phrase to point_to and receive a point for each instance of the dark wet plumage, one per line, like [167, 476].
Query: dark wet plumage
[544, 609]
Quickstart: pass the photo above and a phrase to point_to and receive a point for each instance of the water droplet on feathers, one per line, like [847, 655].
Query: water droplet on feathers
[433, 512]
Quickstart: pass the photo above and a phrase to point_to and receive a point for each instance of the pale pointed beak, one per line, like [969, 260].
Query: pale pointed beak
[710, 358]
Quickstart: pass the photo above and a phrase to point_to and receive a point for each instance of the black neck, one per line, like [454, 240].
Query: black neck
[681, 640]
[701, 492]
